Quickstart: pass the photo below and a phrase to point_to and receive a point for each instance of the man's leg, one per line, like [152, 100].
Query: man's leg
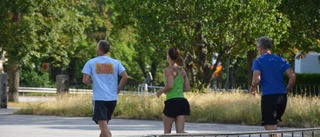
[104, 130]
[268, 111]
[271, 127]
[167, 123]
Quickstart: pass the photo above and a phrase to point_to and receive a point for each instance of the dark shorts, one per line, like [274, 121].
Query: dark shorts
[175, 107]
[102, 110]
[272, 108]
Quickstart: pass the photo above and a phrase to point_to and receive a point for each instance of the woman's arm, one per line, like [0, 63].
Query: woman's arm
[169, 82]
[186, 82]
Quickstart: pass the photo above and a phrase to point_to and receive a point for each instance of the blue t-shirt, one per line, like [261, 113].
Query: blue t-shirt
[272, 68]
[104, 72]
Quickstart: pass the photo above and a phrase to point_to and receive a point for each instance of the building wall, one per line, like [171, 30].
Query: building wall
[309, 64]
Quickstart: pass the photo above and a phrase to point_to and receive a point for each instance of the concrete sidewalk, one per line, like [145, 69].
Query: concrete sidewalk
[58, 126]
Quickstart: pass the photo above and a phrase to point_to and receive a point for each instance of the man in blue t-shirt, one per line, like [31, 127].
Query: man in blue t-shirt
[102, 72]
[268, 70]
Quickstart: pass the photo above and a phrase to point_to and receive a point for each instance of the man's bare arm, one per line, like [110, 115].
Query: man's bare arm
[86, 79]
[123, 81]
[292, 78]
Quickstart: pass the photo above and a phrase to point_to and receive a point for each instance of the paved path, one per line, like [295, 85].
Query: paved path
[58, 126]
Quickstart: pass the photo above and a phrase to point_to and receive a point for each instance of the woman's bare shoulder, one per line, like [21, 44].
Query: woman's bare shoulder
[181, 70]
[168, 69]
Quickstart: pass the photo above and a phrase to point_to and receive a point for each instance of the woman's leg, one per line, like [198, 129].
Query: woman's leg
[167, 123]
[179, 121]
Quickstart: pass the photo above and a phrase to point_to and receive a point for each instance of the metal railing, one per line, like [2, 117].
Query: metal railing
[306, 89]
[51, 90]
[298, 89]
[306, 132]
[146, 88]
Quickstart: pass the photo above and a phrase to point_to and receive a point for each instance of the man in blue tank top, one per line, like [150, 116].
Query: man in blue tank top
[268, 70]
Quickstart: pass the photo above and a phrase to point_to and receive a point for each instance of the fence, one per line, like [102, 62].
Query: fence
[79, 87]
[51, 90]
[146, 88]
[306, 132]
[298, 89]
[306, 89]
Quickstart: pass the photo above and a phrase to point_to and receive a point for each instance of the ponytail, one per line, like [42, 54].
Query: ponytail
[180, 61]
[175, 56]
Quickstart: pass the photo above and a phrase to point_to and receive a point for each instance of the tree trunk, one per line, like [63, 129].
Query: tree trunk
[202, 63]
[14, 67]
[14, 79]
[233, 75]
[154, 68]
[189, 63]
[71, 71]
[251, 55]
[59, 70]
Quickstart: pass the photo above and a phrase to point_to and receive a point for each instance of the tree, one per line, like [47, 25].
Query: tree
[102, 26]
[19, 38]
[145, 18]
[201, 28]
[304, 27]
[34, 29]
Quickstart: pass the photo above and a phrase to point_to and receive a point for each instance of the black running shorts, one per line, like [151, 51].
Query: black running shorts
[175, 107]
[102, 110]
[272, 108]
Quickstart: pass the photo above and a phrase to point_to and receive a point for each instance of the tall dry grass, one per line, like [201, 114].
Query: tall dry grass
[139, 106]
[217, 107]
[224, 107]
[302, 111]
[66, 105]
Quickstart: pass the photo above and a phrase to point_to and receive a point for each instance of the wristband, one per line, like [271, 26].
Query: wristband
[253, 86]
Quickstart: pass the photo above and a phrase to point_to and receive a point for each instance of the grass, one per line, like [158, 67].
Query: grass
[224, 107]
[213, 107]
[302, 112]
[66, 105]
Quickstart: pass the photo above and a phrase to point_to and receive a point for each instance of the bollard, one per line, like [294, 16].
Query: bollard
[146, 87]
[3, 90]
[62, 82]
